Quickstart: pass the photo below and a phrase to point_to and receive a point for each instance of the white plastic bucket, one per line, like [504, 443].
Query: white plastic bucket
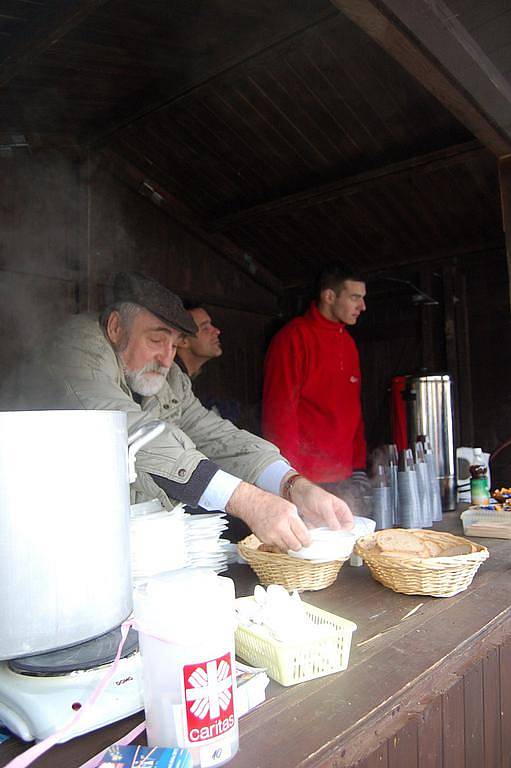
[186, 629]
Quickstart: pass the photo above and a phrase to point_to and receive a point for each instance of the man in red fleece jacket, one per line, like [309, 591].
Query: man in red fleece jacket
[312, 384]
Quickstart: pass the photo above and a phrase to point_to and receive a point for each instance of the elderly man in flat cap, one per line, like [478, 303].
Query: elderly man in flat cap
[123, 360]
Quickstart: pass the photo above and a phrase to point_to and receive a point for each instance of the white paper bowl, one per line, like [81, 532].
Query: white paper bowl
[328, 545]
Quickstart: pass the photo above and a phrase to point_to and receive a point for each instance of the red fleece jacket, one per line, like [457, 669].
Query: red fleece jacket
[311, 398]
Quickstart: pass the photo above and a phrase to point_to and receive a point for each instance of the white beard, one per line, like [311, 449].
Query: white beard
[148, 380]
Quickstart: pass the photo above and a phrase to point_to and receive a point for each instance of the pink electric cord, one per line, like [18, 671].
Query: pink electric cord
[32, 753]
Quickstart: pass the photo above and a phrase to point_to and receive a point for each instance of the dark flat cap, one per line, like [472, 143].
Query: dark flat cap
[147, 293]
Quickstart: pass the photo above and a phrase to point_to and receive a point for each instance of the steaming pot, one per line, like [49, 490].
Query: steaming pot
[64, 528]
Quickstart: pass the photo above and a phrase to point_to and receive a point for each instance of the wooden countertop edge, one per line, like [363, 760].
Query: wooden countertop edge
[473, 611]
[341, 730]
[370, 732]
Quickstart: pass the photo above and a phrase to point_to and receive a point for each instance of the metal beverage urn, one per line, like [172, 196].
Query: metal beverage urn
[428, 408]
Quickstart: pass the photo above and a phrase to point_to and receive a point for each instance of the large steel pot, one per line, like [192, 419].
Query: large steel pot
[64, 528]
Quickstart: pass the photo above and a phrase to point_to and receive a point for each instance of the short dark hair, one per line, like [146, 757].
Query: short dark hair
[190, 304]
[333, 275]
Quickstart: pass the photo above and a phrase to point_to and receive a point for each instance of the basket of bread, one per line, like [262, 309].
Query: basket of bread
[273, 566]
[418, 562]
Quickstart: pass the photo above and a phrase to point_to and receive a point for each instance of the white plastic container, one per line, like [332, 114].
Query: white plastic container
[186, 625]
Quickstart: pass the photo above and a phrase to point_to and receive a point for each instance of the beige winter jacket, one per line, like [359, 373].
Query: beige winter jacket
[79, 369]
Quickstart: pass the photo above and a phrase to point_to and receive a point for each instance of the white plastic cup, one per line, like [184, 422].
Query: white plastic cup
[186, 628]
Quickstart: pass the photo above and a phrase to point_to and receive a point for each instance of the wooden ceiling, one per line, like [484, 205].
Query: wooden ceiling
[284, 132]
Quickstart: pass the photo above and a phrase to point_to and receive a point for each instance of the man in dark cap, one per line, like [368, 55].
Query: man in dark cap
[133, 324]
[124, 361]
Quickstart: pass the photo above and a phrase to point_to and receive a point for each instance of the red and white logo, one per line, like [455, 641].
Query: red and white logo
[209, 698]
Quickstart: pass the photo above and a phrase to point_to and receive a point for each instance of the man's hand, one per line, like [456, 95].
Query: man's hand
[272, 519]
[320, 508]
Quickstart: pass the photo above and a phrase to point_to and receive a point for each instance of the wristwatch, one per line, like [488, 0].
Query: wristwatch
[288, 486]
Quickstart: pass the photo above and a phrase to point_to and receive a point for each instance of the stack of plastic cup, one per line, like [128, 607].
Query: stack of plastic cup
[394, 494]
[382, 500]
[436, 499]
[424, 485]
[409, 504]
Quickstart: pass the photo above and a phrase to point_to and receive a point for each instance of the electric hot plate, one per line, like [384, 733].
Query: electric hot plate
[40, 694]
[89, 655]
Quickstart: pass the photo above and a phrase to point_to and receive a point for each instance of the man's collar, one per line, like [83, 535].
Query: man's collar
[317, 317]
[180, 363]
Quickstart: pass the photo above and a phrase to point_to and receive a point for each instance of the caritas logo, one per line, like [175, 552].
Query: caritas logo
[208, 698]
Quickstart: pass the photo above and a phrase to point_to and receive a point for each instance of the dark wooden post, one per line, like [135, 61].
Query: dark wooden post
[505, 200]
[464, 372]
[428, 341]
[451, 350]
[457, 345]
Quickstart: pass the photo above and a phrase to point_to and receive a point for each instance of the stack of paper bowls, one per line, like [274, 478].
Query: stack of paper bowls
[204, 546]
[157, 540]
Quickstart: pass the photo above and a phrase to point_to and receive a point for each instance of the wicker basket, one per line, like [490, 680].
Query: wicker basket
[442, 576]
[290, 572]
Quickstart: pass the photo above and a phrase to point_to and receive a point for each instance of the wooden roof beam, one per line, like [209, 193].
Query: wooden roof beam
[458, 153]
[53, 23]
[428, 40]
[136, 179]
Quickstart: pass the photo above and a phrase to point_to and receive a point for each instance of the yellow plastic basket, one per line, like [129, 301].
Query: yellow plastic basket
[290, 663]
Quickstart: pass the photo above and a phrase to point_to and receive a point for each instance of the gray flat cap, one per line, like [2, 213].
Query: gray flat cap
[147, 293]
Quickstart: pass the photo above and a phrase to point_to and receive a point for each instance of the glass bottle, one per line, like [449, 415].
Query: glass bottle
[479, 491]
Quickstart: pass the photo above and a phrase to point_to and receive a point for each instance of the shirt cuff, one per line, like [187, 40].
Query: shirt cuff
[270, 478]
[218, 491]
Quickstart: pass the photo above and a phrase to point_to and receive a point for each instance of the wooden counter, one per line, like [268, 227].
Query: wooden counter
[427, 684]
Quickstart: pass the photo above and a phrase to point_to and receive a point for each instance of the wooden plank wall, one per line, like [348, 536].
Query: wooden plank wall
[388, 337]
[489, 368]
[465, 335]
[128, 232]
[466, 725]
[66, 226]
[39, 268]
